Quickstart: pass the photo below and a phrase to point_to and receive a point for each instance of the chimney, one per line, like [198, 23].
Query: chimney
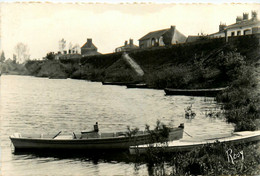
[238, 19]
[89, 40]
[254, 15]
[131, 42]
[172, 27]
[125, 42]
[222, 27]
[245, 16]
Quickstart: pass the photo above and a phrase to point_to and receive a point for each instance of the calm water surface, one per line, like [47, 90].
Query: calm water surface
[40, 105]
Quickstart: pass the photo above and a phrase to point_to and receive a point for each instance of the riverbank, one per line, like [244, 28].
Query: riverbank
[12, 68]
[204, 64]
[193, 65]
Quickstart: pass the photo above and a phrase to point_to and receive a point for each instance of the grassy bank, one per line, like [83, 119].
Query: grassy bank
[211, 159]
[178, 66]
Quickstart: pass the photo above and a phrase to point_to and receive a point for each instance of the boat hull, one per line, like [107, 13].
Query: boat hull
[185, 146]
[117, 83]
[193, 92]
[140, 86]
[124, 143]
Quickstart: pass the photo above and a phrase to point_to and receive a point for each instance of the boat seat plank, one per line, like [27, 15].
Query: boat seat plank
[90, 135]
[107, 135]
[118, 134]
[31, 135]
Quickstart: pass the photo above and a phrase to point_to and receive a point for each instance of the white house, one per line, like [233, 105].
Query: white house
[243, 26]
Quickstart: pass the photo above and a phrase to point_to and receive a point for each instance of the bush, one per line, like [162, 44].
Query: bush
[241, 99]
[211, 159]
[50, 56]
[173, 77]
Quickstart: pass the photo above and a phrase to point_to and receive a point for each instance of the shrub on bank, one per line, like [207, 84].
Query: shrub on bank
[209, 159]
[215, 159]
[241, 100]
[175, 76]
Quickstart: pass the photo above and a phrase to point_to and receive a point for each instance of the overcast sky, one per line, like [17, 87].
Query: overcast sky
[42, 25]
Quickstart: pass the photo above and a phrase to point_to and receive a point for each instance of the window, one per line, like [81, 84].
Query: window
[232, 33]
[247, 31]
[153, 41]
[238, 32]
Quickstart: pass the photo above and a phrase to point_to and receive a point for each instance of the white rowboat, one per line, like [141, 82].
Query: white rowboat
[184, 145]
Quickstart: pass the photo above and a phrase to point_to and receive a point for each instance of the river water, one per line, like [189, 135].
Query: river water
[41, 105]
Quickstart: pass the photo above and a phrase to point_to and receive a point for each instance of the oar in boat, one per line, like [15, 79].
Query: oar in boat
[56, 135]
[74, 135]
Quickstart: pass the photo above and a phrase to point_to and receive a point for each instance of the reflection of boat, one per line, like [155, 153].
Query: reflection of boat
[182, 145]
[137, 85]
[89, 140]
[194, 92]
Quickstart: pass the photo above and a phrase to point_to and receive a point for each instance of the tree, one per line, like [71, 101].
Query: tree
[2, 57]
[22, 52]
[62, 45]
[14, 58]
[50, 56]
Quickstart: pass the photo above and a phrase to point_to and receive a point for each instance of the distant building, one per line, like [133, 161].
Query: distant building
[243, 26]
[89, 49]
[127, 47]
[162, 37]
[192, 38]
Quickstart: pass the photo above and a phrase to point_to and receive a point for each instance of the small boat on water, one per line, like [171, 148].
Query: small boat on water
[184, 146]
[92, 140]
[194, 92]
[118, 83]
[140, 86]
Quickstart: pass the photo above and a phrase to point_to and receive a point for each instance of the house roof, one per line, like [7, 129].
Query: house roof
[89, 45]
[128, 46]
[91, 53]
[243, 23]
[192, 38]
[154, 34]
[220, 32]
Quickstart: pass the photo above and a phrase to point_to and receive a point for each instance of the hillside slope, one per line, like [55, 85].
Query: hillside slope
[194, 65]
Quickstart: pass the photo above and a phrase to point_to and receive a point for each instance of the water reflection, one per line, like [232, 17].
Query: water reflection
[95, 157]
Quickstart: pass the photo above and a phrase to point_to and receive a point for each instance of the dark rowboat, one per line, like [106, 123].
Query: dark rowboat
[117, 83]
[89, 140]
[194, 92]
[137, 86]
[185, 146]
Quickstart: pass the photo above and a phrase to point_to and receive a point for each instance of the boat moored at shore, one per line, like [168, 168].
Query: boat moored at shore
[185, 146]
[194, 92]
[91, 140]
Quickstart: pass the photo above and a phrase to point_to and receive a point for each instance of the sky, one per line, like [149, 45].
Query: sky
[41, 25]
